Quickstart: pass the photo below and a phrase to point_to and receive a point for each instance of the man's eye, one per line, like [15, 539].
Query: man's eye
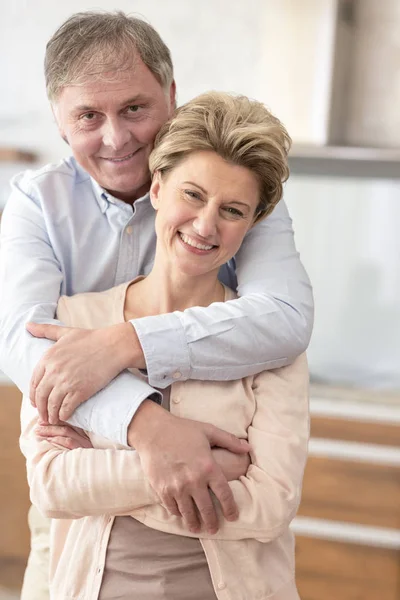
[89, 116]
[133, 108]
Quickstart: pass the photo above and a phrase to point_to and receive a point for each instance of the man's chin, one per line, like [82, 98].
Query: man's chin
[127, 191]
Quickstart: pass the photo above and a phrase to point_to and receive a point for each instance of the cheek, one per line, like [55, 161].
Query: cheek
[85, 143]
[234, 237]
[174, 214]
[146, 131]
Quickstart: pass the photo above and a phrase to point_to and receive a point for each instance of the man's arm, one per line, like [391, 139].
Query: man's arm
[267, 327]
[30, 282]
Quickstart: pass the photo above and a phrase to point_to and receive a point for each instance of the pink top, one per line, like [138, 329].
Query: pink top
[252, 557]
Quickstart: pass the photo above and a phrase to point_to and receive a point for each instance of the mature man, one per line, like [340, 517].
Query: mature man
[86, 224]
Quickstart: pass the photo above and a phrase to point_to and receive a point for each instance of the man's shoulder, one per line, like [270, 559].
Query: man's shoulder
[66, 172]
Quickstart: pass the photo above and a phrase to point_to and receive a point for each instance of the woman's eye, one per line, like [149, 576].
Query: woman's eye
[234, 212]
[192, 195]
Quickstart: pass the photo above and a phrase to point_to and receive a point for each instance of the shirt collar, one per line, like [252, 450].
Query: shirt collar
[104, 198]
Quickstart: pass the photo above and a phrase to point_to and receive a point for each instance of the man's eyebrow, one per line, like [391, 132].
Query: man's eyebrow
[245, 204]
[88, 108]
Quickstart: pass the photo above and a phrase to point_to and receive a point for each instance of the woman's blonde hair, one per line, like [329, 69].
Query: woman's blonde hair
[94, 43]
[240, 130]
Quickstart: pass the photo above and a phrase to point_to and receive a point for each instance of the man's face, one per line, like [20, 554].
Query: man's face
[110, 125]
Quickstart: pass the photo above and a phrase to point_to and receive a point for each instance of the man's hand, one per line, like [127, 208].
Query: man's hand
[177, 460]
[81, 362]
[63, 435]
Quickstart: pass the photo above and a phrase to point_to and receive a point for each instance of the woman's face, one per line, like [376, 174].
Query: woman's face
[205, 206]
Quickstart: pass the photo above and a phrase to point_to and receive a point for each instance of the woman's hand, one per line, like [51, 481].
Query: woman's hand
[79, 364]
[63, 435]
[232, 465]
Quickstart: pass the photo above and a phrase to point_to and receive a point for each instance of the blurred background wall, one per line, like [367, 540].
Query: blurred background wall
[330, 70]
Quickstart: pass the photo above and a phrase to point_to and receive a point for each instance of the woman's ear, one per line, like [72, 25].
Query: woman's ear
[155, 190]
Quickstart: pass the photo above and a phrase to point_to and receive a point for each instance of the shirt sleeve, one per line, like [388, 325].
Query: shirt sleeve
[30, 284]
[267, 327]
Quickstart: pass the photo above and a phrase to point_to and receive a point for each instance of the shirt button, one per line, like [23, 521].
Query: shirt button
[221, 585]
[129, 229]
[176, 400]
[177, 375]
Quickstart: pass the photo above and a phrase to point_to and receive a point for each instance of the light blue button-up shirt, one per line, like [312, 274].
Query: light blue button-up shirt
[63, 234]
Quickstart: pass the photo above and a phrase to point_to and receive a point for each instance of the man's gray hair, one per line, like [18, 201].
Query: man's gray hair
[91, 44]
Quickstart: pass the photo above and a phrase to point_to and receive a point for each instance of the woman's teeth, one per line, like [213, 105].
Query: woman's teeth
[191, 242]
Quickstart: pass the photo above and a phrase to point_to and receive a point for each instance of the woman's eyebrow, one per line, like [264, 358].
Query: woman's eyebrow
[196, 185]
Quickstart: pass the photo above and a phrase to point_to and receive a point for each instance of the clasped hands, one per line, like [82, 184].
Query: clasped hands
[183, 460]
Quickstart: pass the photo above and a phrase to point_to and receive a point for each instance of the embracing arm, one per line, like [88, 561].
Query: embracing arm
[84, 482]
[267, 327]
[30, 283]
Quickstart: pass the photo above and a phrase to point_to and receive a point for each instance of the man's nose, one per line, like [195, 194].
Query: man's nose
[115, 134]
[205, 223]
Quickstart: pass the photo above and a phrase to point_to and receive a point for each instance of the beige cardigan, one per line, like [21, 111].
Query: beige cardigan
[248, 559]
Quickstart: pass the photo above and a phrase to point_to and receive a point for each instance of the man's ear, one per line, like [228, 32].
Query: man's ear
[155, 190]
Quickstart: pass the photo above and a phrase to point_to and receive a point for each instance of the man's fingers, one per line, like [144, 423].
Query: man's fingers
[54, 403]
[35, 380]
[43, 330]
[188, 511]
[70, 402]
[223, 439]
[224, 495]
[43, 390]
[170, 504]
[206, 510]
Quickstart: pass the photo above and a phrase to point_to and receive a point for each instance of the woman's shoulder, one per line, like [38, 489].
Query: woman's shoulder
[90, 310]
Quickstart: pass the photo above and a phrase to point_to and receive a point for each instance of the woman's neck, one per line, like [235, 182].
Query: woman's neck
[165, 290]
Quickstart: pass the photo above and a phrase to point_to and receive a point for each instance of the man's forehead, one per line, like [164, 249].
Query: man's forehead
[108, 89]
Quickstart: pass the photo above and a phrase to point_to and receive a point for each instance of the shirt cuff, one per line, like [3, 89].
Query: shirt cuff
[109, 412]
[165, 349]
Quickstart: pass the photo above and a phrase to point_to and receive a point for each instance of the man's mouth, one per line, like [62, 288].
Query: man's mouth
[120, 159]
[194, 243]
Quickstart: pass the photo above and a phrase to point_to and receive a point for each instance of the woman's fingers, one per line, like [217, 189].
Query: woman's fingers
[66, 436]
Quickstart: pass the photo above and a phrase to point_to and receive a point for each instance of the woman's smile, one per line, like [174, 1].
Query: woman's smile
[194, 245]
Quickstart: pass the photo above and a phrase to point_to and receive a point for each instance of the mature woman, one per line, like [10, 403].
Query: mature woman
[217, 168]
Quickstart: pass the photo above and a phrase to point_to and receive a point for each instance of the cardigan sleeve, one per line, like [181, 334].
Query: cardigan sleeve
[69, 484]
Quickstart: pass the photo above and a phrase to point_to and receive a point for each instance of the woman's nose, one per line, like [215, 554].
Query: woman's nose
[205, 223]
